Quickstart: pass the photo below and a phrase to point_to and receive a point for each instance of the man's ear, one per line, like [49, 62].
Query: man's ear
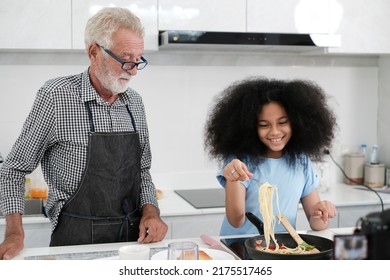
[92, 52]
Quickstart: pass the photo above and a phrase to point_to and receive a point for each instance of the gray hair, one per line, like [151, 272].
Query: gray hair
[103, 24]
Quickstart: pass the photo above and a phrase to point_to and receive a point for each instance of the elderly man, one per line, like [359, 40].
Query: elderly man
[89, 133]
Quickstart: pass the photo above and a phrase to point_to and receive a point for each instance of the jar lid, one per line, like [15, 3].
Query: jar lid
[378, 165]
[354, 155]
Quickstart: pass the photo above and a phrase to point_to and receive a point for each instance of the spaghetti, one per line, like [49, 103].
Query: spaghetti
[266, 193]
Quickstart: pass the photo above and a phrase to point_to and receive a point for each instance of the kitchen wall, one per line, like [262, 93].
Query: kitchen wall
[384, 109]
[178, 89]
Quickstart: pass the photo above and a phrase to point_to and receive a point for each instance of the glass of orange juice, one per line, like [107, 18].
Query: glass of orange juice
[38, 192]
[37, 188]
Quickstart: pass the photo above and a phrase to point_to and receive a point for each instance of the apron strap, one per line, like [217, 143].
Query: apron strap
[87, 106]
[92, 125]
[127, 219]
[87, 217]
[132, 118]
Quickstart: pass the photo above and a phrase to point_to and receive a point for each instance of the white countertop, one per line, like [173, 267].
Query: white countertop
[107, 247]
[171, 204]
[341, 195]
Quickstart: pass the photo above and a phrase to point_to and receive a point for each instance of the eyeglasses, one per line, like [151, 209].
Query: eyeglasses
[126, 65]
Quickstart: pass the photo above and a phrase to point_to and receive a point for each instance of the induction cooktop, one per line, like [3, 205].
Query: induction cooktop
[237, 246]
[203, 198]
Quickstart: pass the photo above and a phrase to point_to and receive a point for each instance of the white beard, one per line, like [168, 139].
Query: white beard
[110, 82]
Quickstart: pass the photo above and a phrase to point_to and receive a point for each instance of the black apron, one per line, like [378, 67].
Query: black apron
[104, 208]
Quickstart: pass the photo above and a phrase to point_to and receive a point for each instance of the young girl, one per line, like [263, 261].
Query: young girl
[266, 130]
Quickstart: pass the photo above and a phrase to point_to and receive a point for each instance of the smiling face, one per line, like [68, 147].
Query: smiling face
[274, 129]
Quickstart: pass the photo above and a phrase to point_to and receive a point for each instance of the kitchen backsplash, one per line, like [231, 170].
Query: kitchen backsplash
[178, 90]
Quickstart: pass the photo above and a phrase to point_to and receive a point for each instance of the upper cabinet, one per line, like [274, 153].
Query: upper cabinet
[269, 16]
[146, 10]
[38, 24]
[288, 16]
[202, 15]
[363, 25]
[59, 24]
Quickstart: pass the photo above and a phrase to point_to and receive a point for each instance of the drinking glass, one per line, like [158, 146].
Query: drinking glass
[184, 250]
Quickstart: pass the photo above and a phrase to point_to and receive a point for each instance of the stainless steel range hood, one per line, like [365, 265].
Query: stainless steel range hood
[243, 41]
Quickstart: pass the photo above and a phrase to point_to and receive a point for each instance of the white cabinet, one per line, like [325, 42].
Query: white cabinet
[60, 24]
[350, 216]
[193, 225]
[146, 10]
[37, 231]
[347, 216]
[38, 24]
[37, 235]
[303, 224]
[270, 16]
[203, 15]
[288, 16]
[364, 26]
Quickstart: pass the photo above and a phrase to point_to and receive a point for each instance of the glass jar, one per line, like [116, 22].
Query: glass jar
[374, 157]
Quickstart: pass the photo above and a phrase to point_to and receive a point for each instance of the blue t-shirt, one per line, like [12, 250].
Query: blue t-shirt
[293, 183]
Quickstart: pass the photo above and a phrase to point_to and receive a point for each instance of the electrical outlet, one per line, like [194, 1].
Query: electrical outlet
[323, 172]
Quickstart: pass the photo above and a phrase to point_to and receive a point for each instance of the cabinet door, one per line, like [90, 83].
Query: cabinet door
[38, 24]
[364, 26]
[202, 15]
[303, 223]
[37, 235]
[350, 216]
[288, 16]
[146, 10]
[194, 225]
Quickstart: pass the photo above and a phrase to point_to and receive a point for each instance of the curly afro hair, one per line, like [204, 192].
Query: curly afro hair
[231, 129]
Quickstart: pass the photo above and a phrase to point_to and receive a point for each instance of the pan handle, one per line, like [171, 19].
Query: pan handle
[256, 222]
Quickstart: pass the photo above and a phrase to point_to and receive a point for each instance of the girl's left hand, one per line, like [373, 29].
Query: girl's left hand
[323, 210]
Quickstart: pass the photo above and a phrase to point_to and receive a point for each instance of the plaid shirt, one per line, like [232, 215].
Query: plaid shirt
[55, 134]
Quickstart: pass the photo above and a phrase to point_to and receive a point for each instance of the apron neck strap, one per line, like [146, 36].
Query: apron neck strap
[132, 118]
[92, 125]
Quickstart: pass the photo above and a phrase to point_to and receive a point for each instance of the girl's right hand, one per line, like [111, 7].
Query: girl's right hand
[236, 170]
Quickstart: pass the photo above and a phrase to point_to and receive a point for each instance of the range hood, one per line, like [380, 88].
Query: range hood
[244, 41]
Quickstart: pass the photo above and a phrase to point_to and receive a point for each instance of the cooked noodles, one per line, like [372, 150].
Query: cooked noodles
[266, 193]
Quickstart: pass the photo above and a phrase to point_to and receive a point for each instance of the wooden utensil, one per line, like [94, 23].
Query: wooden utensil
[290, 229]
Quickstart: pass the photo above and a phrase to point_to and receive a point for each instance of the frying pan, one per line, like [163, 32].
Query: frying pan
[324, 245]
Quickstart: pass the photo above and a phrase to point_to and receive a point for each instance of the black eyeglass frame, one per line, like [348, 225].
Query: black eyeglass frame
[139, 65]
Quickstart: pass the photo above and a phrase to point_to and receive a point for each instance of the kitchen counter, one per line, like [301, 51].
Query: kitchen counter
[183, 219]
[341, 195]
[111, 248]
[351, 203]
[172, 204]
[103, 263]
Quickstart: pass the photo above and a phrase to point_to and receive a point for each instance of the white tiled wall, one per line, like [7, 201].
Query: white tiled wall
[178, 89]
[384, 110]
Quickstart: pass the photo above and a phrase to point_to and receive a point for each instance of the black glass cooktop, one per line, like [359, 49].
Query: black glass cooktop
[237, 245]
[204, 198]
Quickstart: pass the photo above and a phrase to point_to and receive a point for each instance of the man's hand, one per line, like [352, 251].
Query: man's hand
[14, 237]
[151, 228]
